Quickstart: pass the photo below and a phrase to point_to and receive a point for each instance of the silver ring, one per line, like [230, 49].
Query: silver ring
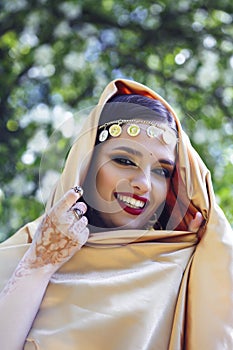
[79, 190]
[78, 213]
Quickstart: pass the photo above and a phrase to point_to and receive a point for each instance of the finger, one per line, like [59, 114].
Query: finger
[83, 237]
[196, 222]
[80, 205]
[67, 201]
[78, 210]
[79, 225]
[81, 232]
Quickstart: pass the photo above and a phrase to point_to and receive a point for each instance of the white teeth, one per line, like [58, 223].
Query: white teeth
[131, 202]
[134, 202]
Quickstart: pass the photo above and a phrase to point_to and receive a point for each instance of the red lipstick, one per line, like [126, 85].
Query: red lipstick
[127, 202]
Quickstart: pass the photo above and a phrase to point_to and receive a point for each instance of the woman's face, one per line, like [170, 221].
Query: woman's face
[129, 178]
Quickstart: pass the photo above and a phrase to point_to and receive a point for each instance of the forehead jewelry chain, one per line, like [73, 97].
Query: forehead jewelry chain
[133, 130]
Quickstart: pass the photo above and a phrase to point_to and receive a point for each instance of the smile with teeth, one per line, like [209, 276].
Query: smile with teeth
[130, 201]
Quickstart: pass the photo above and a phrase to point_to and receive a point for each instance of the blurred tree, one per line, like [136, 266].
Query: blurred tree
[56, 57]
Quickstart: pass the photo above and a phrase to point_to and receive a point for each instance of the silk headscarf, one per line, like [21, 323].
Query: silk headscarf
[138, 289]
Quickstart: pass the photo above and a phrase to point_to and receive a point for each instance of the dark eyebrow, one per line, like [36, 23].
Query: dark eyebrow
[137, 153]
[129, 150]
[167, 161]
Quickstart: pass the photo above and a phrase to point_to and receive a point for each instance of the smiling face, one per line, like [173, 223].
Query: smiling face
[128, 179]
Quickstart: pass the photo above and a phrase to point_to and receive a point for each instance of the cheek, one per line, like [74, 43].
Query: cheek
[105, 181]
[160, 189]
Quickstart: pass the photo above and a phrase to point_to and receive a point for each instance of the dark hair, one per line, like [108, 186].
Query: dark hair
[141, 107]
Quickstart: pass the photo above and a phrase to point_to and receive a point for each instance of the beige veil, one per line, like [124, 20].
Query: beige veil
[137, 289]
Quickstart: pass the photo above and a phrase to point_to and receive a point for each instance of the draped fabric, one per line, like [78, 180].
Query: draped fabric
[138, 289]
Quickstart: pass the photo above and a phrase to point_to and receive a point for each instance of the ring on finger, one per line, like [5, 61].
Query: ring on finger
[78, 213]
[79, 190]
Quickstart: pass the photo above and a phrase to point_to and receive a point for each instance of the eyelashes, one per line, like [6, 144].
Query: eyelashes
[163, 172]
[125, 162]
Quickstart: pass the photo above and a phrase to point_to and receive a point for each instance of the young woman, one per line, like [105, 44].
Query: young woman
[155, 267]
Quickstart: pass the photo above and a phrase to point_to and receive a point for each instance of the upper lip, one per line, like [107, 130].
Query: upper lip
[127, 198]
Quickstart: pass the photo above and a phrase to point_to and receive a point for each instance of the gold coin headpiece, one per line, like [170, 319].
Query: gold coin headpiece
[114, 129]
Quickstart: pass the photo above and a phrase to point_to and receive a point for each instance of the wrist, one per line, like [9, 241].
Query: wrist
[32, 265]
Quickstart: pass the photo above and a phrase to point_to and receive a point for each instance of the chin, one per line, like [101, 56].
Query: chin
[121, 222]
[133, 224]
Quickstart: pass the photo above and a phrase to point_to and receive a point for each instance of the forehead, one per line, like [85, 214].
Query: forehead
[141, 144]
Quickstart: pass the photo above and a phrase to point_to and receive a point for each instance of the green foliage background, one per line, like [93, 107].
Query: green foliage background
[56, 57]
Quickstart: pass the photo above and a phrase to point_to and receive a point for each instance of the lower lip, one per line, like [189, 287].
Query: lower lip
[129, 210]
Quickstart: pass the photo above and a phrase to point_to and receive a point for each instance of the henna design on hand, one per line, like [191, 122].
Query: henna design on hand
[58, 241]
[52, 247]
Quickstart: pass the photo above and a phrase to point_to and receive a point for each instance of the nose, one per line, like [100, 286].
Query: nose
[141, 181]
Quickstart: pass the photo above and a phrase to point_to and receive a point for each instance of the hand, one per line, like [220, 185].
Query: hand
[60, 235]
[196, 222]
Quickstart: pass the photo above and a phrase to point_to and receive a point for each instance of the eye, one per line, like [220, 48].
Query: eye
[162, 172]
[123, 161]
